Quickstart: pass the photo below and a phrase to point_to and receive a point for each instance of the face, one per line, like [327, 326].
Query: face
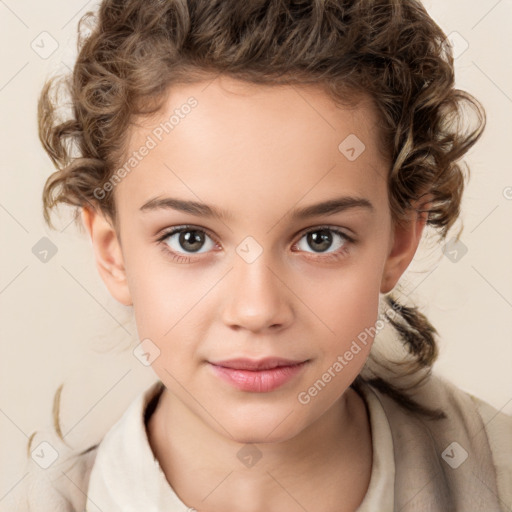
[284, 256]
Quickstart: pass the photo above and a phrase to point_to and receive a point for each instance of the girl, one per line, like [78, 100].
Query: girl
[255, 178]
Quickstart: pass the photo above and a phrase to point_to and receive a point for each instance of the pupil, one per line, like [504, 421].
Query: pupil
[323, 240]
[195, 240]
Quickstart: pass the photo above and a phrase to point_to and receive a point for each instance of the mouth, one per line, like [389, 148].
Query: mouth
[258, 376]
[268, 363]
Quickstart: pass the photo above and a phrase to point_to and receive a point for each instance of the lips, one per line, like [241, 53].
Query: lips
[258, 376]
[251, 364]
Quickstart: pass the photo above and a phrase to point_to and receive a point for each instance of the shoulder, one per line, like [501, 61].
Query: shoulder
[437, 392]
[55, 478]
[498, 427]
[461, 405]
[472, 443]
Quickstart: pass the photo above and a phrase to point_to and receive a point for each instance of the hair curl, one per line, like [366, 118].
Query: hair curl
[390, 50]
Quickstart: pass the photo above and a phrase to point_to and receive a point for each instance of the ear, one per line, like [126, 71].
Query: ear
[108, 254]
[404, 243]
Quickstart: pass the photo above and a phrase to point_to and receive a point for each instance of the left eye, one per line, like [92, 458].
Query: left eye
[321, 239]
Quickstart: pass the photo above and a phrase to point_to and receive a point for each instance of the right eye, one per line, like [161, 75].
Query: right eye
[182, 241]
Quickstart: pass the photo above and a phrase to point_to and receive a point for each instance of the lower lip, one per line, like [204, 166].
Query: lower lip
[259, 381]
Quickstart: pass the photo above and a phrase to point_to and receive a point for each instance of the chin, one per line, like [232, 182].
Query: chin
[260, 428]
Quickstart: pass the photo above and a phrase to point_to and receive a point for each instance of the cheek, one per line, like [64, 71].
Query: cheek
[165, 302]
[161, 292]
[170, 306]
[346, 300]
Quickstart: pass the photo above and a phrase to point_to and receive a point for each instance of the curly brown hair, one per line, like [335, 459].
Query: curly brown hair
[390, 50]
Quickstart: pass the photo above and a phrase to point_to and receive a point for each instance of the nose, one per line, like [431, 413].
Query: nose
[258, 297]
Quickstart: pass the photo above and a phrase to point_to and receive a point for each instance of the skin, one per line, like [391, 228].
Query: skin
[259, 152]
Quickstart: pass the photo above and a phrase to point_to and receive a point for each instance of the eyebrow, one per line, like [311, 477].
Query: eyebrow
[330, 207]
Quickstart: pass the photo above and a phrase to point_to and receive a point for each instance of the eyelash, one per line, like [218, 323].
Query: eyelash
[334, 256]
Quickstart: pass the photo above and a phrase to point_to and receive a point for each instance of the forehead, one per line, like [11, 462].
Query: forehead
[224, 139]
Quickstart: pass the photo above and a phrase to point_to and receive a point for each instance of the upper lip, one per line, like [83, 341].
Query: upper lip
[256, 364]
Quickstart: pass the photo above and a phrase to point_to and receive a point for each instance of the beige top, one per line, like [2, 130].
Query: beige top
[464, 465]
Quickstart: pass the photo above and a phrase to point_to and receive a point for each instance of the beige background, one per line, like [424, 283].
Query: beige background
[60, 325]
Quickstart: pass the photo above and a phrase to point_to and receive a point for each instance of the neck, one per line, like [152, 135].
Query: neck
[210, 471]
